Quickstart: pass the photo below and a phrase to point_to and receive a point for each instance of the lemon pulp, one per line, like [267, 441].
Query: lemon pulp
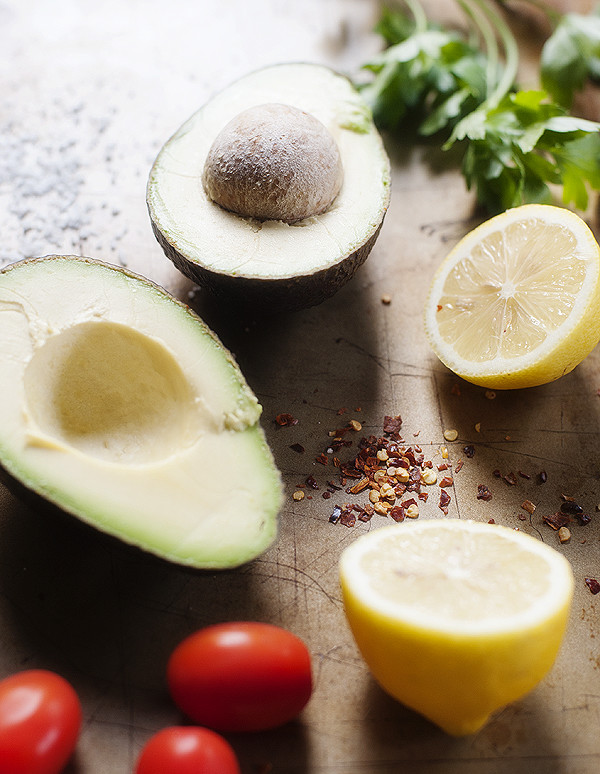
[456, 618]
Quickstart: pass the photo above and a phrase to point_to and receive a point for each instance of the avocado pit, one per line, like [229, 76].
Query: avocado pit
[273, 162]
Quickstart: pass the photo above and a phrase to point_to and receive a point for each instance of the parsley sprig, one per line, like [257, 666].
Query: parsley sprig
[516, 144]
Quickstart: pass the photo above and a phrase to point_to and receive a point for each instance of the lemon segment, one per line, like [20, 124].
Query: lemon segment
[517, 302]
[456, 618]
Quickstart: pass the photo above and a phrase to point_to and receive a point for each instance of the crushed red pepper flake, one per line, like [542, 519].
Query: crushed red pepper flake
[446, 481]
[297, 447]
[483, 493]
[322, 459]
[285, 420]
[397, 513]
[444, 501]
[528, 506]
[348, 518]
[469, 451]
[510, 479]
[311, 481]
[458, 467]
[392, 425]
[593, 585]
[542, 476]
[557, 520]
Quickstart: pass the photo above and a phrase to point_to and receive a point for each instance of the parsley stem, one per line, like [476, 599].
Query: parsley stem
[418, 14]
[486, 31]
[511, 54]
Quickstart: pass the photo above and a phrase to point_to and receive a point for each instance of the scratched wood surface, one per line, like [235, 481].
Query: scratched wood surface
[88, 94]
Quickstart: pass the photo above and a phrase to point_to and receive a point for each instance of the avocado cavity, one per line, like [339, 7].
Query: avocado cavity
[110, 392]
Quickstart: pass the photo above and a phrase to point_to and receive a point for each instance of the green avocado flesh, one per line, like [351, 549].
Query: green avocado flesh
[288, 264]
[122, 408]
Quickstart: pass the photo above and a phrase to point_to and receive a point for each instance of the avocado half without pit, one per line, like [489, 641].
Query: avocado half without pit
[275, 191]
[122, 408]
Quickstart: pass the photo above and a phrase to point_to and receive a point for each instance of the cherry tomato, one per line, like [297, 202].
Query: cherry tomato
[40, 718]
[240, 676]
[187, 750]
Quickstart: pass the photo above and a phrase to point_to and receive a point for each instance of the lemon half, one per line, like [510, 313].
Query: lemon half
[456, 618]
[517, 302]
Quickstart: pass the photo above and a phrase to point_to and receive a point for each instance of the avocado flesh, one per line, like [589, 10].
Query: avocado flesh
[122, 408]
[305, 260]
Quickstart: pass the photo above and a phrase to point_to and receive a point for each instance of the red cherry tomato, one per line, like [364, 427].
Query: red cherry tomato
[240, 676]
[40, 718]
[187, 750]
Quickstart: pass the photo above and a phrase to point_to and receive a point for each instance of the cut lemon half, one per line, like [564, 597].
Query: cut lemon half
[517, 302]
[456, 618]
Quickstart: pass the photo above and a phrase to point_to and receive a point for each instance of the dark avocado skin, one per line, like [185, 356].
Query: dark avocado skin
[269, 296]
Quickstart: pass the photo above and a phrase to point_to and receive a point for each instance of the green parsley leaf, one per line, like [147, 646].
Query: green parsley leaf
[571, 55]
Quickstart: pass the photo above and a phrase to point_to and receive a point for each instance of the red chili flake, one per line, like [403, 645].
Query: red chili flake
[583, 518]
[439, 307]
[557, 520]
[359, 486]
[350, 472]
[297, 447]
[334, 487]
[322, 459]
[458, 467]
[341, 411]
[428, 464]
[542, 476]
[285, 420]
[593, 585]
[510, 479]
[397, 513]
[364, 515]
[392, 425]
[446, 481]
[443, 466]
[469, 451]
[483, 493]
[312, 482]
[347, 518]
[326, 495]
[524, 475]
[528, 506]
[444, 501]
[496, 473]
[423, 496]
[336, 462]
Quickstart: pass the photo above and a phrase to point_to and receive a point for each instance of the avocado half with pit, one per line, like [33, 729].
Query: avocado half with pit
[275, 191]
[122, 408]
